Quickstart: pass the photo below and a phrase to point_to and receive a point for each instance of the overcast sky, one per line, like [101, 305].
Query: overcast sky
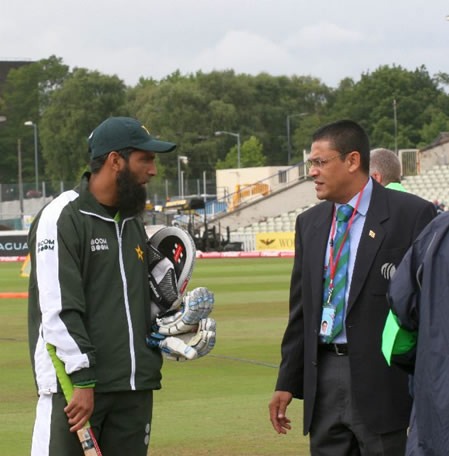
[328, 39]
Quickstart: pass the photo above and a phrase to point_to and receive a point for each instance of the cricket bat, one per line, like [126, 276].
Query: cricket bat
[85, 434]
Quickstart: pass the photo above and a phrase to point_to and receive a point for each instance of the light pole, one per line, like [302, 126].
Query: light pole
[289, 145]
[29, 123]
[236, 135]
[395, 117]
[185, 160]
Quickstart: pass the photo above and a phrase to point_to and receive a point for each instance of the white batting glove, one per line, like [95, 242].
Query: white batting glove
[195, 306]
[187, 346]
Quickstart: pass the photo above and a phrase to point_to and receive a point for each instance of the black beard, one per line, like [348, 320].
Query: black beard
[131, 196]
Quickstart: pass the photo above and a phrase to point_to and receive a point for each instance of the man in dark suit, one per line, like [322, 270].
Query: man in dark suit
[354, 404]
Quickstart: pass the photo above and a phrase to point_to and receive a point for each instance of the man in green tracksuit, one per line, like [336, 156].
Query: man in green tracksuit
[89, 297]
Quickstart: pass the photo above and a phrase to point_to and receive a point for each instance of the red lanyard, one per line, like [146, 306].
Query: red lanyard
[333, 266]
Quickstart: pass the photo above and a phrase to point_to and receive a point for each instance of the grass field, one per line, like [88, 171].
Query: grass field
[215, 406]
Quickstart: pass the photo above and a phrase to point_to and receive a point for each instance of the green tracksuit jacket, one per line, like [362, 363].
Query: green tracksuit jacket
[89, 296]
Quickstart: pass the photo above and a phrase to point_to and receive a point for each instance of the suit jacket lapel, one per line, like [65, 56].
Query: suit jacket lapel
[370, 241]
[318, 244]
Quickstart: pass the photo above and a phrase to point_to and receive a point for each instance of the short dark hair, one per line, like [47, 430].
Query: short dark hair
[346, 136]
[97, 163]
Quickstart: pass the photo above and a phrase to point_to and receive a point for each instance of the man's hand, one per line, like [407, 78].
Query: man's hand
[80, 408]
[278, 407]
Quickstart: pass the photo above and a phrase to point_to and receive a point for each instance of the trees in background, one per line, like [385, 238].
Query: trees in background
[189, 109]
[251, 155]
[25, 96]
[84, 100]
[421, 106]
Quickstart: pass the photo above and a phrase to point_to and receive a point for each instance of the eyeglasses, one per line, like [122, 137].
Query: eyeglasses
[321, 162]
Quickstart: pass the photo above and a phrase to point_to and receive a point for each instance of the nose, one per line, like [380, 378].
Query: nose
[313, 171]
[152, 169]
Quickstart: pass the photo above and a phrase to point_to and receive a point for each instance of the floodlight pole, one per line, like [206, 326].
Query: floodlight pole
[29, 123]
[236, 135]
[289, 144]
[183, 159]
[395, 114]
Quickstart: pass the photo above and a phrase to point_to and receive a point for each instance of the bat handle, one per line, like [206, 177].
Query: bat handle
[88, 442]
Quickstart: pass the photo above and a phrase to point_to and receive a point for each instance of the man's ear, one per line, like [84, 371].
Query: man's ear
[353, 160]
[114, 161]
[377, 177]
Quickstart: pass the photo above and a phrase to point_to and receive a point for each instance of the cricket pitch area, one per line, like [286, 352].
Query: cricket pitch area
[214, 406]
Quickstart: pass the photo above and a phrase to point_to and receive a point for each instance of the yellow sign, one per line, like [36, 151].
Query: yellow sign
[275, 241]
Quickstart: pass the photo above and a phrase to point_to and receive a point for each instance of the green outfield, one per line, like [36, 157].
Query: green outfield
[215, 406]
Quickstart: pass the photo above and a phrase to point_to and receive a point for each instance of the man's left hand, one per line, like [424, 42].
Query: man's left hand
[80, 408]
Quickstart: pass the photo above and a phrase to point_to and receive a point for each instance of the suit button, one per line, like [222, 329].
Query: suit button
[314, 363]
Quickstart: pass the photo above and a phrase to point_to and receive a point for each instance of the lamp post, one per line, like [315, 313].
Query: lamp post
[236, 135]
[395, 118]
[29, 123]
[185, 160]
[289, 145]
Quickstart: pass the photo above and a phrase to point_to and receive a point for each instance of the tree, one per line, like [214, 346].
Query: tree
[85, 99]
[420, 101]
[25, 97]
[250, 155]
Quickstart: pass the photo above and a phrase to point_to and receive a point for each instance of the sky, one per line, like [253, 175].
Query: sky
[326, 39]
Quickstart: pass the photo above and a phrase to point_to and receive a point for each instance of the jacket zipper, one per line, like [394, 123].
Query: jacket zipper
[132, 379]
[132, 353]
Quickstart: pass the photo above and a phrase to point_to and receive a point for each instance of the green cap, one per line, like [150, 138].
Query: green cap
[118, 133]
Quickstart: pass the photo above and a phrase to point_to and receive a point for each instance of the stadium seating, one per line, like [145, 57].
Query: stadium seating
[433, 185]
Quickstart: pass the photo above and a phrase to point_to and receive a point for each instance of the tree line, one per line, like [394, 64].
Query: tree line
[398, 108]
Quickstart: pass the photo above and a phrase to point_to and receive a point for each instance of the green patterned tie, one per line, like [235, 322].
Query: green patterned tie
[340, 279]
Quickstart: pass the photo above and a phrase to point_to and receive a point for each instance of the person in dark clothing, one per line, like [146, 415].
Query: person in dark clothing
[417, 333]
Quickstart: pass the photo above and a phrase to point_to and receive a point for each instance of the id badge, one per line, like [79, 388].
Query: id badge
[327, 321]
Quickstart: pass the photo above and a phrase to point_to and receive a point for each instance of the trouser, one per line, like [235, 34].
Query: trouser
[337, 428]
[121, 423]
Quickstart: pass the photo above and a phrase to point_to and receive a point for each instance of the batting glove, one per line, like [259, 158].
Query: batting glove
[186, 346]
[195, 306]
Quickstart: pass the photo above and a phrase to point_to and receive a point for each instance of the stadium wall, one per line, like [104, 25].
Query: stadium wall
[13, 245]
[272, 205]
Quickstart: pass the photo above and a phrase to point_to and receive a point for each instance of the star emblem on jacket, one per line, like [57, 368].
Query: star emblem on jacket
[139, 252]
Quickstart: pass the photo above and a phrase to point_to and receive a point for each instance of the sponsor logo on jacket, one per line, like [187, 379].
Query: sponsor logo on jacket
[45, 244]
[97, 244]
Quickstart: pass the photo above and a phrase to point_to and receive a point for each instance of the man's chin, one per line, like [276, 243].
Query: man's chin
[320, 192]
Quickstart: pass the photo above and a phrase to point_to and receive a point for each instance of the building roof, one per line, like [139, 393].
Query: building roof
[442, 138]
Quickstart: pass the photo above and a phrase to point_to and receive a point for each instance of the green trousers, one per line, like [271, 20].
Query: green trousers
[121, 423]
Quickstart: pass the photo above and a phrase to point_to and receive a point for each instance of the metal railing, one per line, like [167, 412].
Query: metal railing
[246, 194]
[13, 209]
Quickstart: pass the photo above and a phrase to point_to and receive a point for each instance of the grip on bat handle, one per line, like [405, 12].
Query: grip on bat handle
[88, 442]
